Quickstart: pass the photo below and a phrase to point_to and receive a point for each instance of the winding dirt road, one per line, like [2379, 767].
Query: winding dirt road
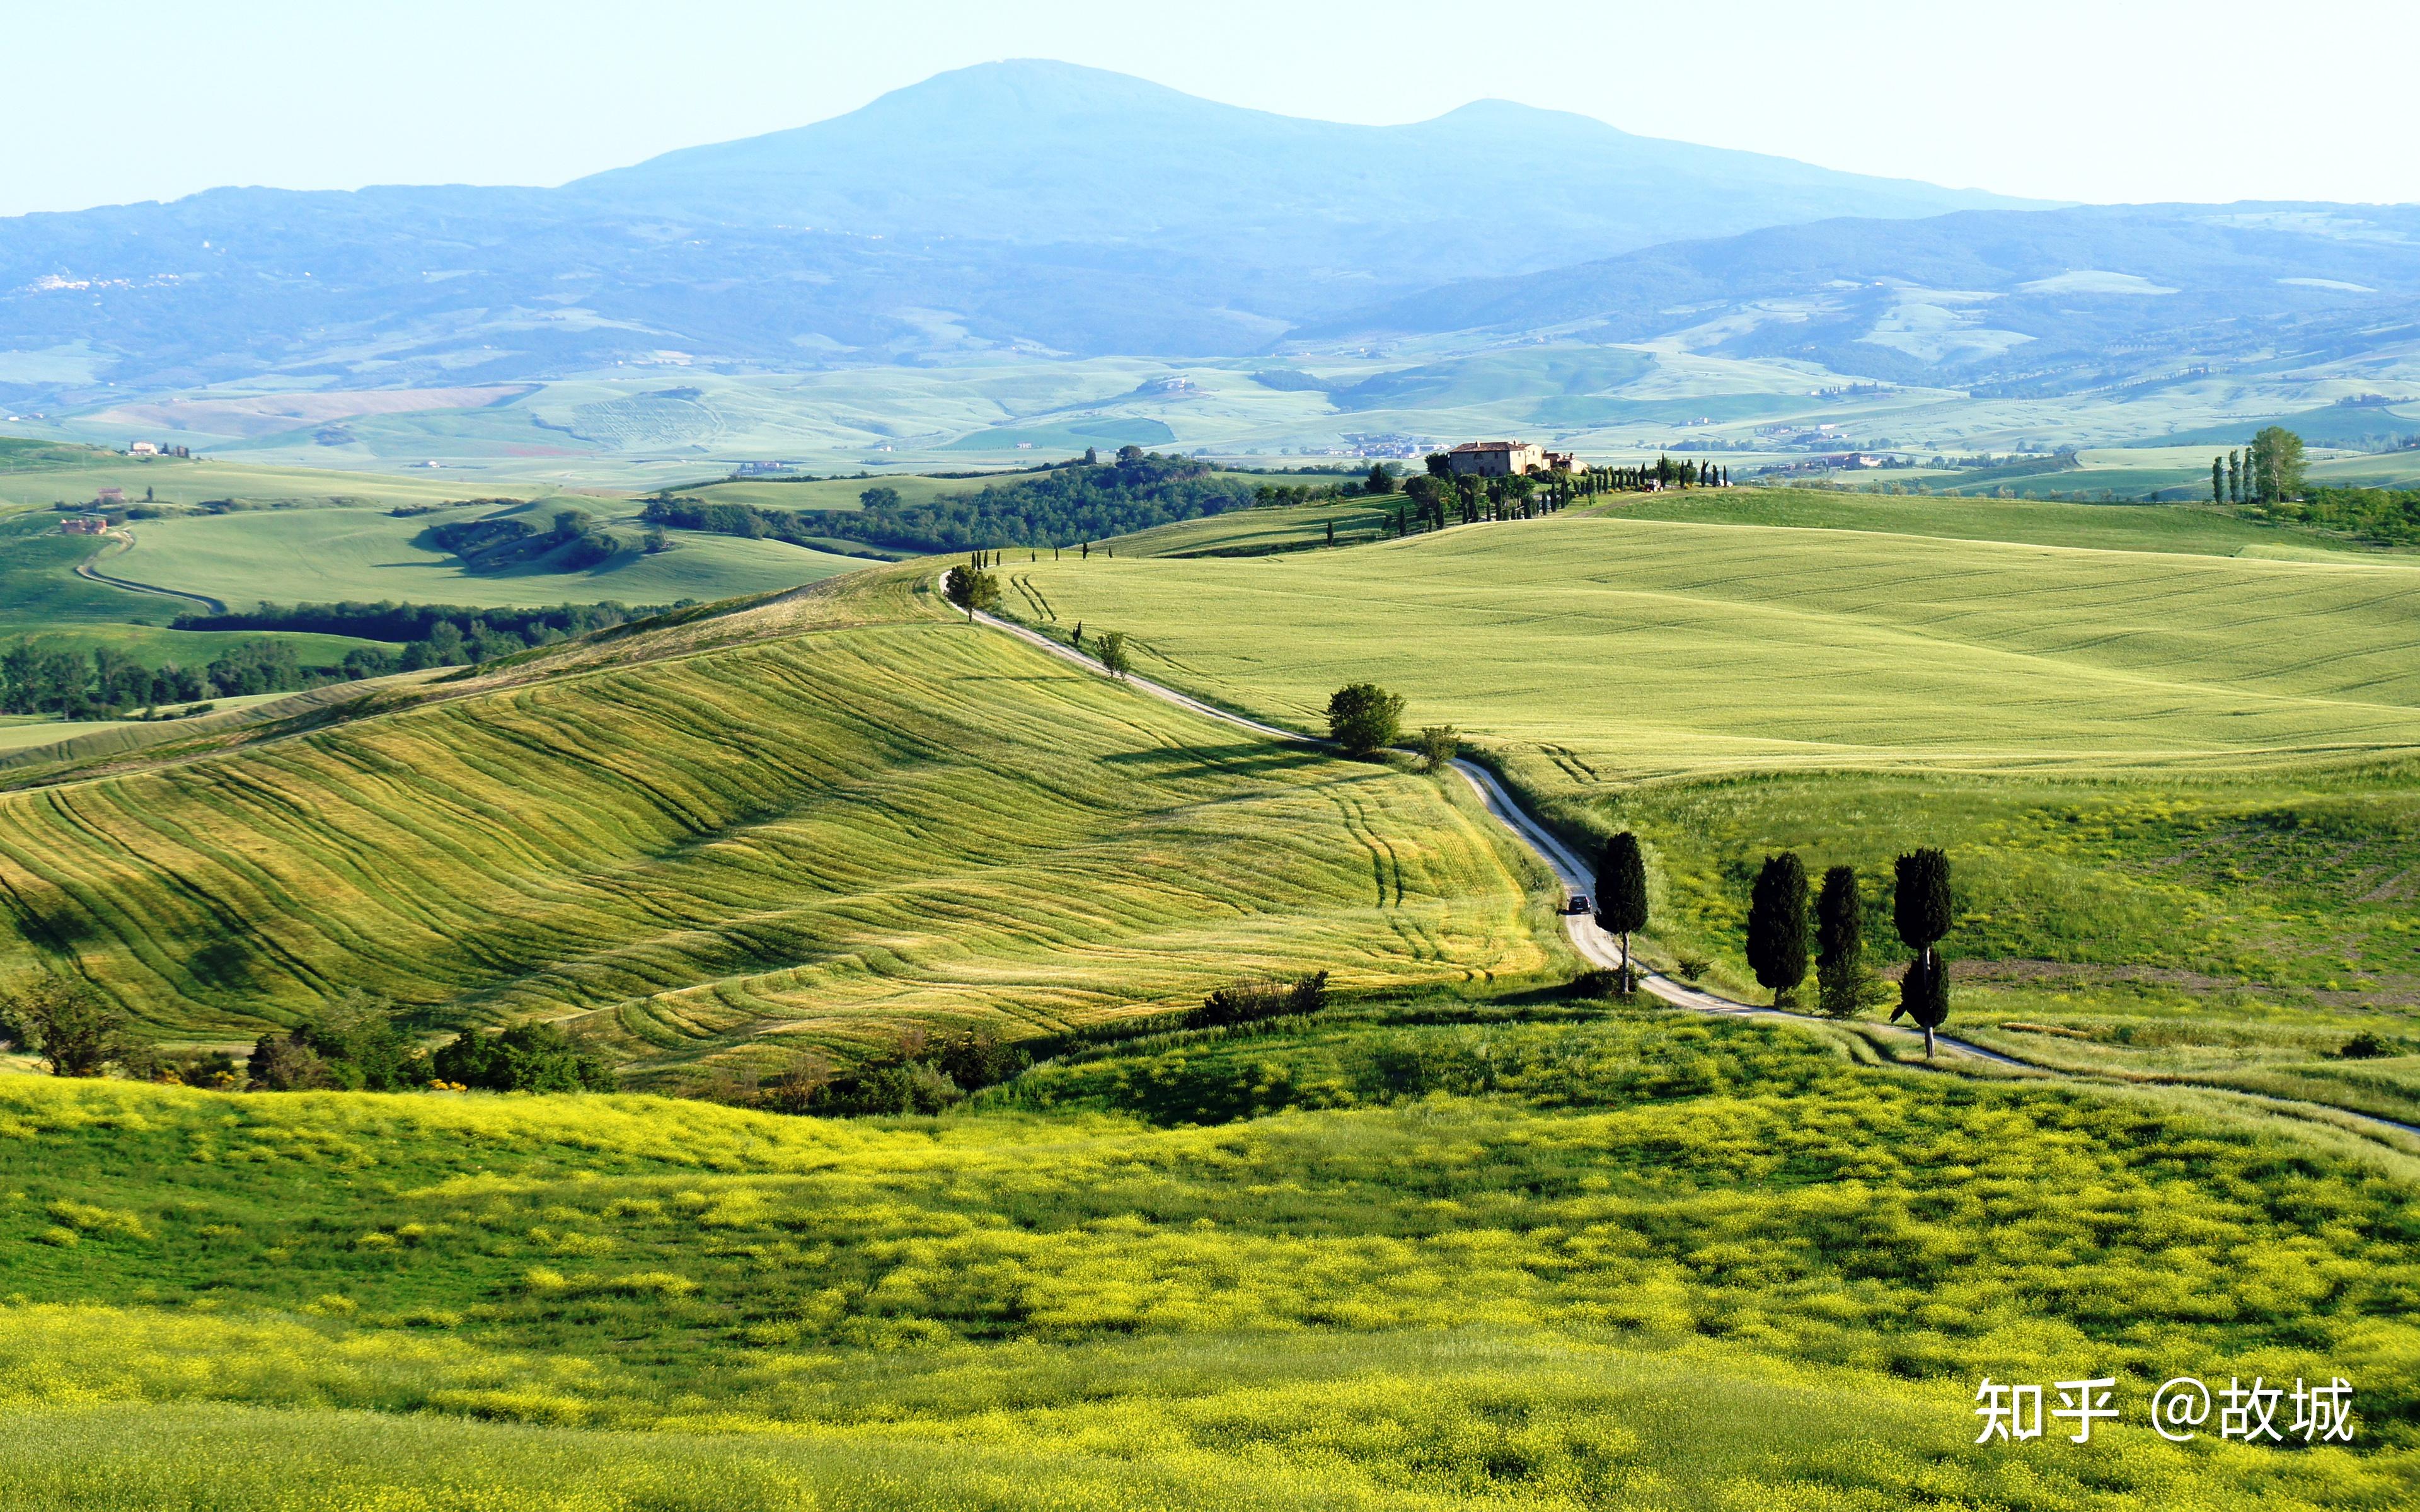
[1595, 945]
[85, 570]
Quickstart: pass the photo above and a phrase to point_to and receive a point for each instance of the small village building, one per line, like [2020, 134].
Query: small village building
[142, 449]
[110, 496]
[82, 525]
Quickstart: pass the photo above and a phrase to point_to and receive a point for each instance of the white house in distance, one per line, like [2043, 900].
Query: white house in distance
[1503, 459]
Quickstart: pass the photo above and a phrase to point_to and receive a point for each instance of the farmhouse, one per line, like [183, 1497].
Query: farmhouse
[1502, 459]
[142, 449]
[110, 496]
[82, 525]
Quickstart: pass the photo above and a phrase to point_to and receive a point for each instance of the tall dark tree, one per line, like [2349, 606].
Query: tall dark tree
[1776, 925]
[1621, 894]
[2217, 481]
[1921, 909]
[1379, 480]
[1438, 464]
[2234, 477]
[1840, 945]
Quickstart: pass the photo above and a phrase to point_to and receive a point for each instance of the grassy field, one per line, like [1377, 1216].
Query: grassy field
[2174, 786]
[2200, 531]
[318, 555]
[806, 823]
[1516, 1251]
[75, 475]
[42, 597]
[1628, 649]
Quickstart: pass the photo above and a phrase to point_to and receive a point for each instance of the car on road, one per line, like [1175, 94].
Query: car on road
[1580, 905]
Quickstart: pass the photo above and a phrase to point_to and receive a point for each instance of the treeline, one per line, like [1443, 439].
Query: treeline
[1085, 501]
[2383, 517]
[433, 635]
[572, 540]
[355, 1045]
[38, 677]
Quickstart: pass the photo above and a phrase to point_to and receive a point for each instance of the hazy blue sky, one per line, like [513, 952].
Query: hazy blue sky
[2117, 100]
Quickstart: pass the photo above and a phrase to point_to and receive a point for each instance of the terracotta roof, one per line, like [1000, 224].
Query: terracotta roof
[1489, 446]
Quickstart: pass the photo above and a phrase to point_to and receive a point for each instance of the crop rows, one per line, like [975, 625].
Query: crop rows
[825, 835]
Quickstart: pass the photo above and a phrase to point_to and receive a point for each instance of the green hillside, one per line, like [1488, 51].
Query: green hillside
[1642, 648]
[803, 823]
[320, 555]
[2175, 787]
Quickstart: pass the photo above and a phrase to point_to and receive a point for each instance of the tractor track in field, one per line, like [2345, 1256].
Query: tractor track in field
[1599, 948]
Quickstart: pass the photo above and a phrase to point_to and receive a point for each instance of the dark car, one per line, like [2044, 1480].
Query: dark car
[1580, 905]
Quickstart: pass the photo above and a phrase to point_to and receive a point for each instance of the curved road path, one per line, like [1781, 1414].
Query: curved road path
[1593, 942]
[85, 570]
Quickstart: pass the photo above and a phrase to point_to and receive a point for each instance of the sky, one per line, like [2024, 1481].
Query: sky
[2116, 100]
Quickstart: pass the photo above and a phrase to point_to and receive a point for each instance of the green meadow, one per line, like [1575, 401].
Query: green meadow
[1504, 1249]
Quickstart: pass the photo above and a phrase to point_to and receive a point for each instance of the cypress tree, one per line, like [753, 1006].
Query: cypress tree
[1621, 894]
[1920, 909]
[2234, 480]
[2217, 481]
[1776, 925]
[1839, 943]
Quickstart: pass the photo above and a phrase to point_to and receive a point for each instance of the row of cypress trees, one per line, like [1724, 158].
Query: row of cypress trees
[1778, 930]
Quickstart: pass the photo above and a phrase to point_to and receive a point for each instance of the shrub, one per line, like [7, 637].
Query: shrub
[1250, 999]
[527, 1057]
[1110, 651]
[287, 1063]
[1437, 745]
[2364, 1046]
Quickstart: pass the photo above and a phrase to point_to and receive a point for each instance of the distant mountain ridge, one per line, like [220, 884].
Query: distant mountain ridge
[2039, 302]
[1019, 205]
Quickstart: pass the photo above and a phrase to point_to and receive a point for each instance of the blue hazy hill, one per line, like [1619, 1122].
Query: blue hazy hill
[1021, 205]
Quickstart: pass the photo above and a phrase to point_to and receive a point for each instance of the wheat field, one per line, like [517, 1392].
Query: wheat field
[807, 823]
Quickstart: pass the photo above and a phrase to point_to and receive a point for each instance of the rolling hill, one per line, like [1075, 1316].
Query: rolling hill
[1014, 205]
[809, 821]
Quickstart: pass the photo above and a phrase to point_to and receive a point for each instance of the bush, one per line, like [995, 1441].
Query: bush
[1603, 981]
[2365, 1046]
[286, 1063]
[1437, 745]
[918, 1075]
[1250, 999]
[527, 1057]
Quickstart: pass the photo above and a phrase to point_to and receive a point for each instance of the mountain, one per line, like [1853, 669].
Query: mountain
[1021, 205]
[2030, 302]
